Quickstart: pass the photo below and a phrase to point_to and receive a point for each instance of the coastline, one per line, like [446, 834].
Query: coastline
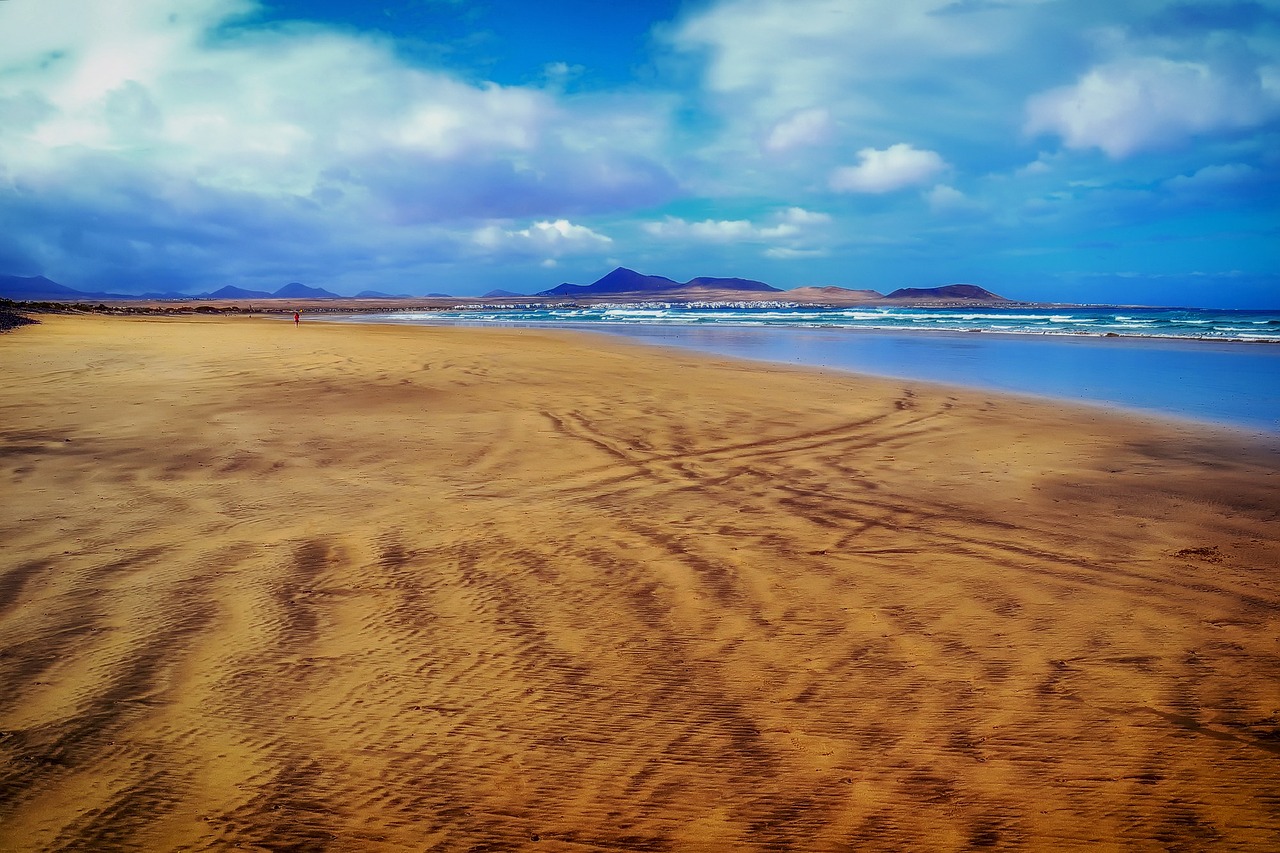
[386, 310]
[372, 586]
[1124, 372]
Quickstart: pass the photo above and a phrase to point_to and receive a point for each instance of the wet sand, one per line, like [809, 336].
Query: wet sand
[383, 588]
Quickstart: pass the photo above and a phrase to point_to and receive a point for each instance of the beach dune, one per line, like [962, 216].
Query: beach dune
[383, 588]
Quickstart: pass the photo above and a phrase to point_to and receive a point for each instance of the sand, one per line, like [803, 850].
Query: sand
[383, 588]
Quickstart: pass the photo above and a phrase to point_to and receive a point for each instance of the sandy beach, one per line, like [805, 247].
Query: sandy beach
[384, 588]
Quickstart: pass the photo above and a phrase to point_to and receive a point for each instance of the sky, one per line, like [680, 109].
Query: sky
[1121, 151]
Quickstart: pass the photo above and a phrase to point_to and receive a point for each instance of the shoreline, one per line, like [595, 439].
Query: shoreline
[376, 587]
[905, 330]
[1149, 415]
[1243, 417]
[375, 309]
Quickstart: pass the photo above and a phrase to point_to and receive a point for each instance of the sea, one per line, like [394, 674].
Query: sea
[1220, 367]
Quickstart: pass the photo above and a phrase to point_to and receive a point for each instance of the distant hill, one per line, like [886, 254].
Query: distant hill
[32, 287]
[40, 289]
[948, 291]
[297, 290]
[835, 295]
[619, 282]
[232, 292]
[37, 288]
[623, 280]
[744, 284]
[626, 282]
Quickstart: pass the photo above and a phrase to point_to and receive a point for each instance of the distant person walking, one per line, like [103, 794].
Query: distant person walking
[297, 318]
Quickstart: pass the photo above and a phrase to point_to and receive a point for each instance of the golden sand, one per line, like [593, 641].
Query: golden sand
[383, 588]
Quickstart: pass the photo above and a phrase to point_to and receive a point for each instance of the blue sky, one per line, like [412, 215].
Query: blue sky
[1070, 150]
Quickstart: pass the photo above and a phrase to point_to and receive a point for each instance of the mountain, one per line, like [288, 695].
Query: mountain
[296, 290]
[746, 284]
[948, 291]
[623, 280]
[33, 287]
[37, 288]
[620, 281]
[40, 289]
[834, 295]
[233, 292]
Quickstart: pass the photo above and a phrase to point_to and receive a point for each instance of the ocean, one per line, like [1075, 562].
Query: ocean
[1216, 366]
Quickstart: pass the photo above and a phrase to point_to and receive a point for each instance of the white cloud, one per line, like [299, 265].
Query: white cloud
[791, 52]
[786, 253]
[1039, 166]
[559, 237]
[801, 129]
[785, 77]
[1212, 178]
[800, 216]
[793, 222]
[710, 230]
[1136, 104]
[947, 199]
[788, 234]
[882, 171]
[151, 118]
[558, 74]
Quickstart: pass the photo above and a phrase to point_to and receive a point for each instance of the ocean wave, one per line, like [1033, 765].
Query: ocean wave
[1189, 324]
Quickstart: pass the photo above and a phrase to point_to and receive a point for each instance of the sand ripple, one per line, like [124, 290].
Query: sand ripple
[379, 588]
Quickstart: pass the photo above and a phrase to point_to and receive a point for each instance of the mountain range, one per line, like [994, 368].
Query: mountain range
[40, 289]
[621, 282]
[625, 282]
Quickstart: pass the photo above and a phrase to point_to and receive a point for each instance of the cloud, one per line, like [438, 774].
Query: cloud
[1136, 104]
[793, 222]
[717, 230]
[156, 144]
[1038, 166]
[1224, 186]
[801, 217]
[882, 171]
[558, 74]
[947, 199]
[785, 253]
[801, 129]
[114, 115]
[791, 53]
[559, 237]
[791, 233]
[1212, 178]
[714, 230]
[781, 77]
